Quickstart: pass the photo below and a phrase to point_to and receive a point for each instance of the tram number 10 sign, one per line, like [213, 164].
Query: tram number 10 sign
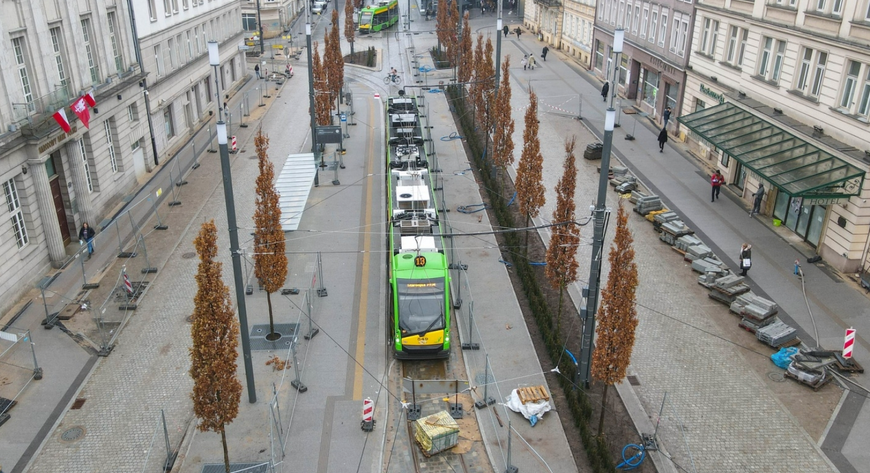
[420, 261]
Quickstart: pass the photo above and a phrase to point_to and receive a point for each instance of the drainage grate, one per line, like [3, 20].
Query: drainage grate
[79, 402]
[73, 434]
[632, 380]
[259, 332]
[776, 376]
[236, 468]
[188, 255]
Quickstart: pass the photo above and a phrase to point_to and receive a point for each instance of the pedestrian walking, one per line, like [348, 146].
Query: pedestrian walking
[532, 62]
[257, 70]
[518, 31]
[604, 90]
[86, 235]
[745, 259]
[525, 61]
[544, 53]
[506, 30]
[759, 196]
[667, 115]
[663, 138]
[716, 181]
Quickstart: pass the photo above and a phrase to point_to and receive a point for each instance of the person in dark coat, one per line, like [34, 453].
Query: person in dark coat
[759, 196]
[745, 260]
[257, 70]
[663, 138]
[667, 115]
[544, 53]
[86, 235]
[506, 30]
[518, 31]
[604, 90]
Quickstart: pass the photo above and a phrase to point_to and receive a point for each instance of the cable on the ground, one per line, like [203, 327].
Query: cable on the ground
[633, 461]
[472, 208]
[452, 136]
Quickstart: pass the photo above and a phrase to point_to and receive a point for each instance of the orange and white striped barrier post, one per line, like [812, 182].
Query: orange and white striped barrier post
[368, 422]
[849, 343]
[235, 145]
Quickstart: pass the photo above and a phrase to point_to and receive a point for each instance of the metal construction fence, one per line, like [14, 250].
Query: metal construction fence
[20, 367]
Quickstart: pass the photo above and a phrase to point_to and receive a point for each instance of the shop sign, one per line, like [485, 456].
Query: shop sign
[712, 94]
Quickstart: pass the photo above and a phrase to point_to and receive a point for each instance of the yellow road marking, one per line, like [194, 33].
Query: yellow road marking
[364, 282]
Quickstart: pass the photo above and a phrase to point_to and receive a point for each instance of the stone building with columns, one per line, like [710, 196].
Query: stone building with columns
[53, 181]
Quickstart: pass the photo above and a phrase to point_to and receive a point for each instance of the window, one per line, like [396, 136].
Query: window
[599, 55]
[764, 61]
[85, 165]
[867, 12]
[853, 70]
[663, 34]
[613, 7]
[168, 126]
[133, 112]
[189, 46]
[170, 46]
[179, 50]
[626, 21]
[777, 61]
[620, 20]
[113, 40]
[731, 51]
[804, 73]
[57, 50]
[679, 35]
[196, 38]
[650, 87]
[709, 37]
[107, 126]
[819, 74]
[21, 65]
[790, 3]
[636, 21]
[699, 105]
[158, 57]
[16, 216]
[645, 21]
[152, 10]
[167, 8]
[653, 27]
[136, 145]
[185, 4]
[89, 52]
[742, 51]
[834, 8]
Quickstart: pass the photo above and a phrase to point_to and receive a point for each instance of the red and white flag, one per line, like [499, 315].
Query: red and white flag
[60, 118]
[127, 286]
[89, 98]
[80, 108]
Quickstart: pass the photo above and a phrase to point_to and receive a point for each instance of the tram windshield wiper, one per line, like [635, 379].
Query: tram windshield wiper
[426, 330]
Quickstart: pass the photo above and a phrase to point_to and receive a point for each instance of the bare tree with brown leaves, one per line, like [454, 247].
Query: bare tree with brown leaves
[270, 262]
[349, 30]
[442, 16]
[466, 53]
[529, 185]
[215, 333]
[333, 61]
[617, 319]
[452, 34]
[322, 104]
[562, 263]
[475, 92]
[488, 73]
[503, 122]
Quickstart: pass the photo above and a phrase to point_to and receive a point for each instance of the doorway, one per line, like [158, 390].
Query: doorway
[739, 175]
[54, 182]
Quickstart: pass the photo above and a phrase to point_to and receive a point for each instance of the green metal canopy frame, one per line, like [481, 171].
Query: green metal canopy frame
[793, 165]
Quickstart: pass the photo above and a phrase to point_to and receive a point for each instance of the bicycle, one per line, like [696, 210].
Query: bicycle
[395, 79]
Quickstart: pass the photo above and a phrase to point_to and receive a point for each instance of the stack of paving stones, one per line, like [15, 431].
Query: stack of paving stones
[648, 204]
[672, 230]
[757, 312]
[727, 288]
[776, 334]
[665, 216]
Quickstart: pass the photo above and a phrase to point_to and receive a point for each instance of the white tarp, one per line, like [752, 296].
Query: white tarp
[533, 411]
[293, 186]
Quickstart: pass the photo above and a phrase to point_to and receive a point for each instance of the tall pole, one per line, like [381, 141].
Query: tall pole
[600, 215]
[214, 60]
[260, 27]
[311, 88]
[498, 35]
[137, 49]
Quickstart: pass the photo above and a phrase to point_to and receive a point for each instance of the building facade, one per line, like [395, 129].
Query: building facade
[658, 40]
[54, 181]
[172, 37]
[778, 94]
[544, 18]
[276, 15]
[577, 27]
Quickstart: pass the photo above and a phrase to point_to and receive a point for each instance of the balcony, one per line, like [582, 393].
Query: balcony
[549, 3]
[34, 118]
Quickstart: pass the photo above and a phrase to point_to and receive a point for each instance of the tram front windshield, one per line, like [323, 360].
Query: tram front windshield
[366, 19]
[421, 305]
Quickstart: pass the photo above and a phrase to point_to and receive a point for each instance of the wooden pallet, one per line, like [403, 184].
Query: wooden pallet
[533, 394]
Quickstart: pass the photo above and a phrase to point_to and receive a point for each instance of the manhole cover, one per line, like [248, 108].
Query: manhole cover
[188, 255]
[73, 433]
[776, 377]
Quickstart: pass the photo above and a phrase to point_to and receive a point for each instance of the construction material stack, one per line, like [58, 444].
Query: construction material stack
[436, 433]
[776, 334]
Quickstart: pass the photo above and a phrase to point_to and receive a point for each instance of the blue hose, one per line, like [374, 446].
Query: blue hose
[512, 199]
[452, 136]
[571, 355]
[635, 460]
[472, 208]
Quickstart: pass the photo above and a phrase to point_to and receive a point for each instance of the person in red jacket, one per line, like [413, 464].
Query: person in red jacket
[716, 181]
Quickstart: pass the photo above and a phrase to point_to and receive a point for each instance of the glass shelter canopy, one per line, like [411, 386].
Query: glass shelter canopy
[793, 165]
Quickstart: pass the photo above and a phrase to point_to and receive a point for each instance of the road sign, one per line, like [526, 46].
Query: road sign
[850, 341]
[343, 117]
[328, 134]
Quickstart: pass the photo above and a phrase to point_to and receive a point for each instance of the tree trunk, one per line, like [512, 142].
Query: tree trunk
[559, 313]
[603, 410]
[351, 52]
[526, 245]
[226, 452]
[271, 322]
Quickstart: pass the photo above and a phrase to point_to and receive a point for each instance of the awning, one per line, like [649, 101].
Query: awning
[788, 162]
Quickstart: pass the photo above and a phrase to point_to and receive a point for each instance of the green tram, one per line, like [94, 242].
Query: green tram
[377, 17]
[418, 269]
